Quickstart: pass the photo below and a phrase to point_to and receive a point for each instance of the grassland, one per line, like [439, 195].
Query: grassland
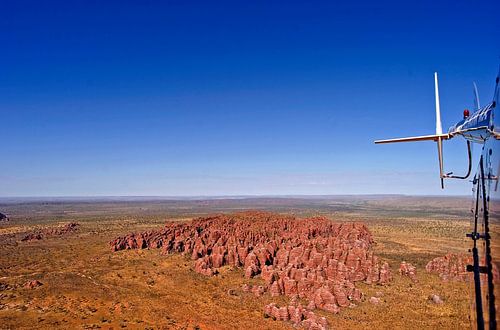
[86, 286]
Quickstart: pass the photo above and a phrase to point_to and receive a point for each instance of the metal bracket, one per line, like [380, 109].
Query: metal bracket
[482, 269]
[476, 236]
[469, 153]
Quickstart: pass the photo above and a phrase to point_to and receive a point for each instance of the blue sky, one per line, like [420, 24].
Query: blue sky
[235, 98]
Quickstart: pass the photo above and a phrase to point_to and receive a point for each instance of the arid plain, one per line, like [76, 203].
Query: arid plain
[72, 279]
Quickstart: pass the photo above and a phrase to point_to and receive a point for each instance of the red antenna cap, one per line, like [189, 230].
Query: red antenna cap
[466, 113]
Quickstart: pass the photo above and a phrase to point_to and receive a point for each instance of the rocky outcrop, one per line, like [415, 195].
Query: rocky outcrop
[407, 269]
[51, 232]
[32, 237]
[435, 299]
[3, 218]
[32, 284]
[385, 274]
[451, 267]
[297, 315]
[314, 259]
[257, 290]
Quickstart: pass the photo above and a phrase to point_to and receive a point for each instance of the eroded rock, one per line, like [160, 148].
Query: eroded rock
[451, 267]
[297, 315]
[407, 269]
[314, 259]
[33, 284]
[51, 232]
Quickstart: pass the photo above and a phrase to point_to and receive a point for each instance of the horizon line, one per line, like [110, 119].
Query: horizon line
[173, 197]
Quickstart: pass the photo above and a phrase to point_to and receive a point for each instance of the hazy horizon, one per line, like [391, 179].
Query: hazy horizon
[208, 197]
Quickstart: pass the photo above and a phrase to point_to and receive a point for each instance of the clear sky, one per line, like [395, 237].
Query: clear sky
[237, 97]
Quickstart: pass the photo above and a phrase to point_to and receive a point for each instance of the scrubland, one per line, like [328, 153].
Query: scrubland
[85, 285]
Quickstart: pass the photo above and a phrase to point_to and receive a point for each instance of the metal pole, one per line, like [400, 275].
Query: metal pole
[489, 266]
[475, 267]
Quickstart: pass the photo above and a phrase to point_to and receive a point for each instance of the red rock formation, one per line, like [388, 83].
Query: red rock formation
[51, 232]
[452, 267]
[33, 284]
[67, 228]
[296, 314]
[315, 259]
[257, 290]
[407, 269]
[274, 289]
[385, 273]
[32, 237]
